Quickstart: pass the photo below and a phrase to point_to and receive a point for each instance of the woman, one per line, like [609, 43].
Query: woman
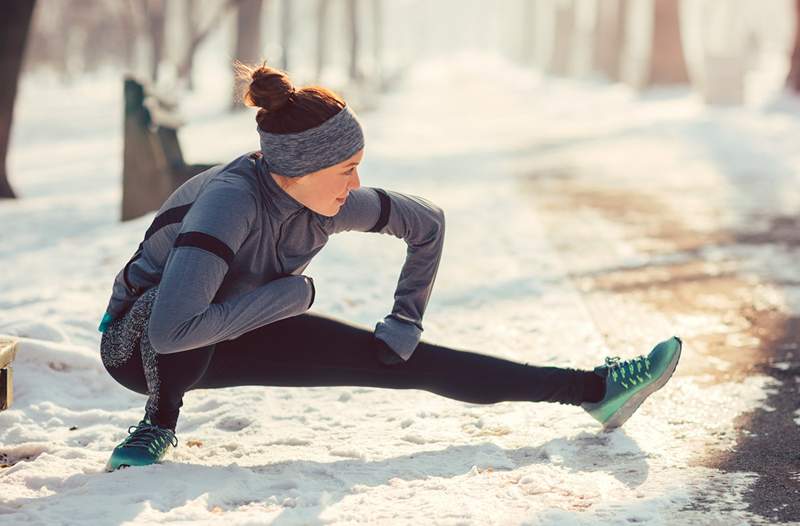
[215, 295]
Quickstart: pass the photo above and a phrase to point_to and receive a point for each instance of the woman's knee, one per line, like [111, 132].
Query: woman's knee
[129, 374]
[121, 358]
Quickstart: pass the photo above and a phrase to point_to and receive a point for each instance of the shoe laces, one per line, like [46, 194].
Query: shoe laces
[147, 435]
[628, 373]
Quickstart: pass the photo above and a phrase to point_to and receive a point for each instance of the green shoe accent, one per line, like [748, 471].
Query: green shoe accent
[629, 382]
[146, 444]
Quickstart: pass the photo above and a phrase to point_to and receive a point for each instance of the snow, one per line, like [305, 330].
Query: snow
[461, 132]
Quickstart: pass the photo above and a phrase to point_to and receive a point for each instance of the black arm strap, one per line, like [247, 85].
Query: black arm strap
[386, 208]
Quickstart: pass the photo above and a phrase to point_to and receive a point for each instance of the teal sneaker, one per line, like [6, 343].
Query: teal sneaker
[629, 382]
[146, 444]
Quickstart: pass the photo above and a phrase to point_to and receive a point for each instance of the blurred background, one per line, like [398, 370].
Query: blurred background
[727, 52]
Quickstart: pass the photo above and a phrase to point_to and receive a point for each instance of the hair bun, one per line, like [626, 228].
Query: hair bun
[267, 88]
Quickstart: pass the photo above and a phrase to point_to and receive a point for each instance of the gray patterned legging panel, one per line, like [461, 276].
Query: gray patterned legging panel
[315, 350]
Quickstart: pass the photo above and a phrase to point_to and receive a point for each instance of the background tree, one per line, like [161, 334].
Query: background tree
[323, 10]
[561, 52]
[248, 39]
[653, 52]
[609, 37]
[377, 40]
[528, 39]
[286, 33]
[197, 31]
[14, 26]
[355, 39]
[668, 65]
[155, 16]
[793, 80]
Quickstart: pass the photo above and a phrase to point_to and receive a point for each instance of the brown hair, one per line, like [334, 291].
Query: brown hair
[285, 109]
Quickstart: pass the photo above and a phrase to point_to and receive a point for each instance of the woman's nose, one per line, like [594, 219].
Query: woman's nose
[355, 182]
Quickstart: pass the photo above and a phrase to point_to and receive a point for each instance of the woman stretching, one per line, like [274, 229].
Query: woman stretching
[215, 294]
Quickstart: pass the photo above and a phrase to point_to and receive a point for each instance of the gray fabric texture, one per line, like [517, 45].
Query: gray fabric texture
[297, 154]
[258, 240]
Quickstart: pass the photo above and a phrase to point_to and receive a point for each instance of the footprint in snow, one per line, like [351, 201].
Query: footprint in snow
[233, 423]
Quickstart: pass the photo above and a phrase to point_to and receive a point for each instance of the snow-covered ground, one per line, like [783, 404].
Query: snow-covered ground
[465, 133]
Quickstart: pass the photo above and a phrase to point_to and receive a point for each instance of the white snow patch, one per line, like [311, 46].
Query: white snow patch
[322, 454]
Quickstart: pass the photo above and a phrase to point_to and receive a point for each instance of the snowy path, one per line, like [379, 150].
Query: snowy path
[516, 280]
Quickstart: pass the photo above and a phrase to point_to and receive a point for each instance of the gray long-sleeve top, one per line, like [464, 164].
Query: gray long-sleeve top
[227, 250]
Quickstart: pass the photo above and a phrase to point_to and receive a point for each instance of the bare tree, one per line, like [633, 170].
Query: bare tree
[286, 32]
[793, 80]
[377, 40]
[609, 37]
[248, 39]
[155, 15]
[355, 38]
[668, 65]
[322, 35]
[197, 33]
[528, 42]
[185, 67]
[127, 34]
[560, 59]
[80, 35]
[14, 27]
[653, 48]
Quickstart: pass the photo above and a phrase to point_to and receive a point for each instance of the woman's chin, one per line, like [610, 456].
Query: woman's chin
[331, 210]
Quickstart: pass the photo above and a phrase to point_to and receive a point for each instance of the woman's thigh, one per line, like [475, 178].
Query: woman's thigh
[305, 350]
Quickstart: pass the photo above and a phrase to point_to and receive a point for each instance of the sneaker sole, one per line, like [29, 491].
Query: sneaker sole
[630, 407]
[121, 466]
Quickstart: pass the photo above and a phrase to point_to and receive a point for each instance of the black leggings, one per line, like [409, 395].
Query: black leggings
[316, 350]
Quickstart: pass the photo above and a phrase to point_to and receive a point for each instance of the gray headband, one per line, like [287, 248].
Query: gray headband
[297, 154]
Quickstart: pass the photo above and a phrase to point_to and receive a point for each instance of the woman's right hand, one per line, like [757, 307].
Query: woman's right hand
[384, 353]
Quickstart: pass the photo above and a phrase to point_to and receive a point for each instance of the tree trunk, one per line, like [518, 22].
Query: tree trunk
[667, 64]
[560, 63]
[653, 49]
[186, 70]
[377, 40]
[129, 37]
[793, 80]
[156, 18]
[527, 52]
[609, 38]
[352, 24]
[322, 36]
[197, 34]
[248, 39]
[286, 33]
[14, 26]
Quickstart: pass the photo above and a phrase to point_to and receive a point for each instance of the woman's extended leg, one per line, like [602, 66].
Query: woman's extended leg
[317, 350]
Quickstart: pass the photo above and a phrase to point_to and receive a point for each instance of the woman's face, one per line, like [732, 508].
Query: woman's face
[326, 190]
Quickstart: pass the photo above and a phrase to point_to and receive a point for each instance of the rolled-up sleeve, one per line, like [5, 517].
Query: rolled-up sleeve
[421, 224]
[184, 315]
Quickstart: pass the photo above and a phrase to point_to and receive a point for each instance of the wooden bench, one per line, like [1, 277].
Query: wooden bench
[153, 163]
[8, 350]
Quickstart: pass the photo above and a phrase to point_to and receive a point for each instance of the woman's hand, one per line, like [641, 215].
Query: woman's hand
[384, 353]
